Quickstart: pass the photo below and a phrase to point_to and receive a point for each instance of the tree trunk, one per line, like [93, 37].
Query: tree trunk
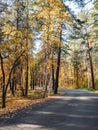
[32, 80]
[45, 85]
[57, 72]
[22, 81]
[27, 79]
[58, 62]
[27, 43]
[3, 98]
[12, 87]
[53, 80]
[77, 78]
[92, 71]
[88, 74]
[33, 83]
[3, 83]
[91, 66]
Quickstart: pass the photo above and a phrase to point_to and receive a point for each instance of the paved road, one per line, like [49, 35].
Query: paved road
[76, 110]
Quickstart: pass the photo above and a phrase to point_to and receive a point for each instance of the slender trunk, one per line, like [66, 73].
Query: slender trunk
[92, 71]
[58, 63]
[3, 98]
[39, 82]
[77, 78]
[21, 80]
[27, 67]
[46, 85]
[53, 80]
[47, 54]
[12, 87]
[27, 77]
[91, 66]
[3, 83]
[57, 72]
[88, 74]
[33, 81]
[46, 78]
[12, 82]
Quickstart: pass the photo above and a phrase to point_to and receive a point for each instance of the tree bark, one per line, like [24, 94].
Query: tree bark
[33, 81]
[27, 67]
[27, 77]
[91, 66]
[12, 87]
[53, 80]
[58, 62]
[3, 83]
[77, 78]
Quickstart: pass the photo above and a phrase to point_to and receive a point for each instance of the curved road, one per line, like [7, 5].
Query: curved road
[75, 110]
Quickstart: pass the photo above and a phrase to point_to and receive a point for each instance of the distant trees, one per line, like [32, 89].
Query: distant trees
[85, 32]
[53, 16]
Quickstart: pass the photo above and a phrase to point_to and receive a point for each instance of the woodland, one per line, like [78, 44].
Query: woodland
[47, 44]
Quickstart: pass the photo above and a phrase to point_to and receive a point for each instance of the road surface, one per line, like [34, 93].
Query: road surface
[75, 110]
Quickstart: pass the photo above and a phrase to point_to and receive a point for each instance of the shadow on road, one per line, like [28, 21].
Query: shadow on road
[73, 111]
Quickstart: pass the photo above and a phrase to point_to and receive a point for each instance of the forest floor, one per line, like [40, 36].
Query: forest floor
[17, 103]
[75, 110]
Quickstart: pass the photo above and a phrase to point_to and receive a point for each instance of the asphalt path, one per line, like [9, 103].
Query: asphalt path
[75, 110]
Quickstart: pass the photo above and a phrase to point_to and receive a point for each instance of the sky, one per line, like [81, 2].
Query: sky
[75, 8]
